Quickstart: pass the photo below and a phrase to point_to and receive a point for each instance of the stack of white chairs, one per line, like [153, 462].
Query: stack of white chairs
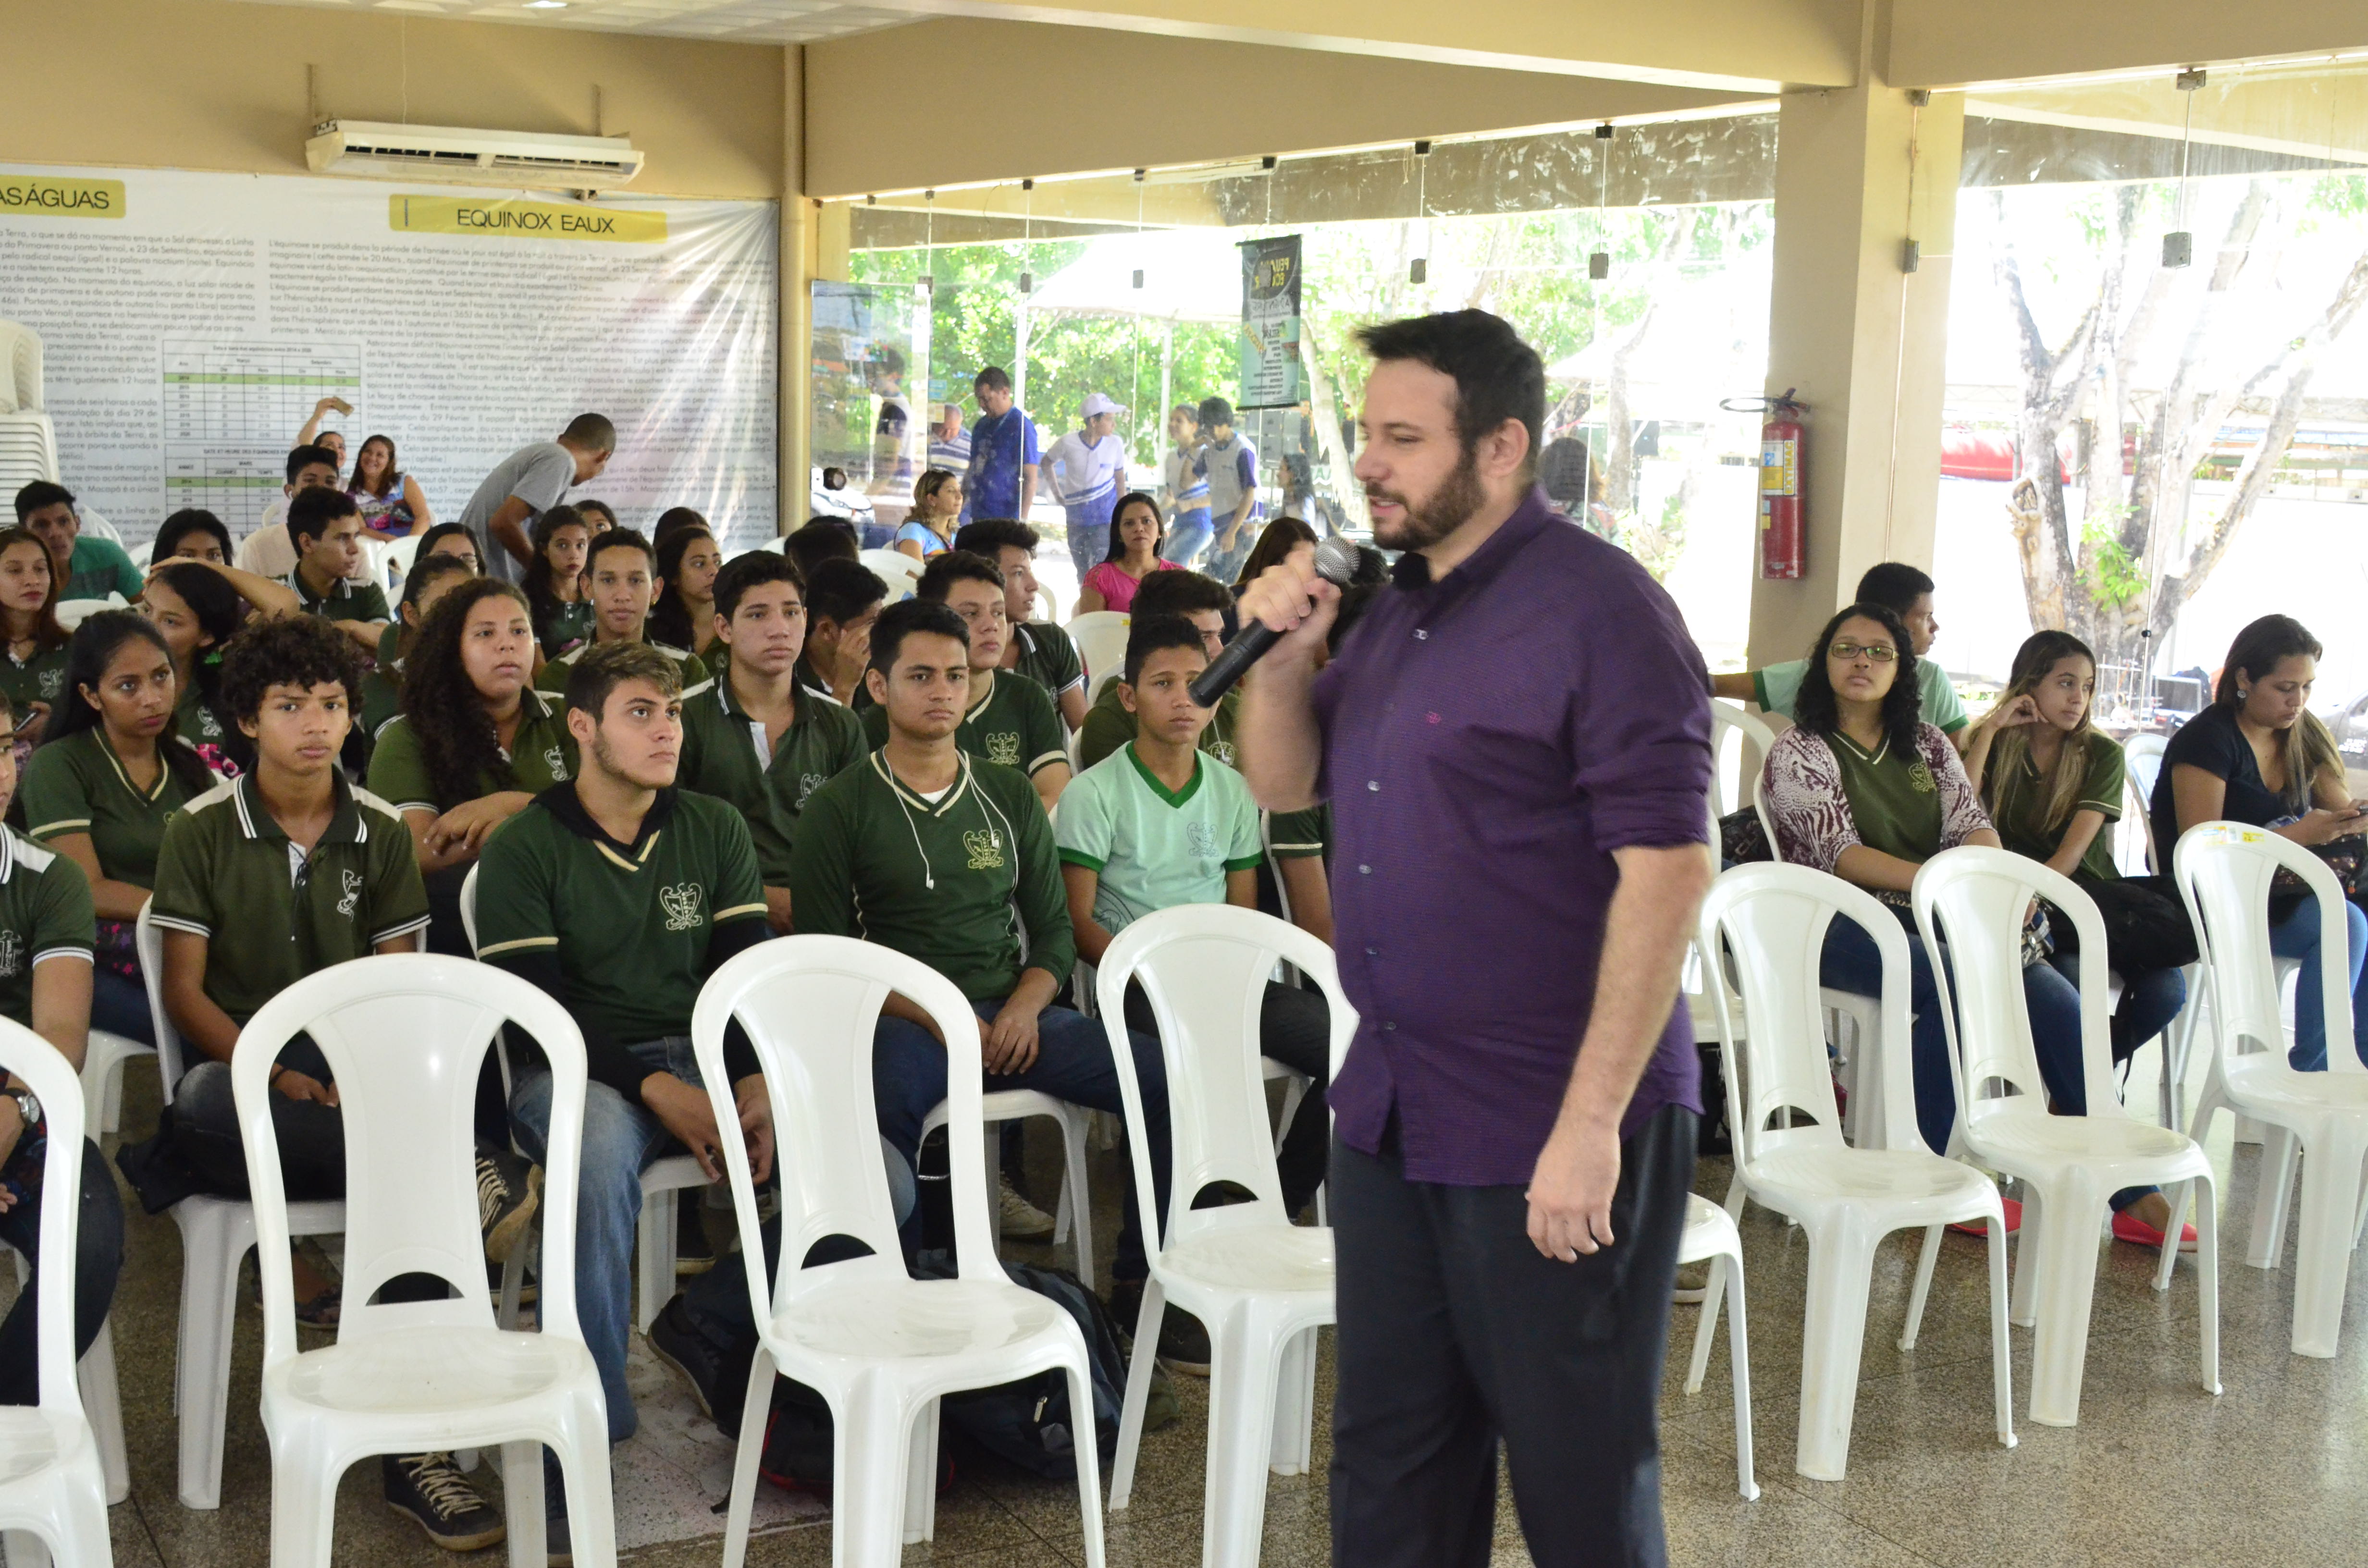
[29, 442]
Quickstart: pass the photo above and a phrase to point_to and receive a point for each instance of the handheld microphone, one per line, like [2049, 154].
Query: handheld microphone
[1335, 562]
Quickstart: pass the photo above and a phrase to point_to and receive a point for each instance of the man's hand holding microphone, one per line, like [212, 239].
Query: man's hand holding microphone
[1288, 610]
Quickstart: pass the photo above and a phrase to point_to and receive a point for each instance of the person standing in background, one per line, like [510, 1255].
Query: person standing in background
[523, 484]
[1187, 488]
[1229, 463]
[1085, 467]
[1004, 452]
[950, 443]
[891, 470]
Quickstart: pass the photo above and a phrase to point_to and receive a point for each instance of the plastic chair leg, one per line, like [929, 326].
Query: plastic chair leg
[523, 1503]
[871, 1448]
[2023, 1310]
[584, 1465]
[2068, 1284]
[1841, 1265]
[214, 1237]
[1242, 1373]
[303, 1505]
[1138, 1393]
[921, 1476]
[513, 1283]
[1073, 1192]
[1089, 1471]
[1738, 1352]
[2208, 1280]
[2330, 1187]
[1294, 1407]
[1917, 1298]
[2279, 1147]
[654, 1250]
[1706, 1324]
[102, 1404]
[2001, 1340]
[2167, 1257]
[743, 1461]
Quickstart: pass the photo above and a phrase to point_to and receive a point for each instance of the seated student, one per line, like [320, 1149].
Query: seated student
[391, 504]
[1136, 535]
[619, 893]
[45, 920]
[752, 739]
[619, 579]
[327, 531]
[429, 579]
[674, 520]
[1009, 720]
[1906, 593]
[1202, 601]
[843, 600]
[193, 532]
[683, 617]
[197, 612]
[554, 581]
[33, 675]
[1038, 649]
[86, 566]
[2259, 755]
[269, 551]
[98, 789]
[925, 848]
[820, 540]
[239, 928]
[596, 513]
[1156, 824]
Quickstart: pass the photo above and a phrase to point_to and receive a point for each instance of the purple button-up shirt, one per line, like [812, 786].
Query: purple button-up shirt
[1489, 740]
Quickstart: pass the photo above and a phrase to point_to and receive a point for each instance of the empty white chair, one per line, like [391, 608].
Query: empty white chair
[52, 1485]
[71, 613]
[1101, 637]
[1972, 900]
[1711, 1237]
[1770, 923]
[1262, 1285]
[898, 570]
[406, 1035]
[216, 1232]
[878, 1346]
[2224, 869]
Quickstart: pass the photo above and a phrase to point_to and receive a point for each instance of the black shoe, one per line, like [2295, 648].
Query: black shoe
[509, 1190]
[1183, 1343]
[693, 1253]
[717, 1378]
[430, 1489]
[558, 1548]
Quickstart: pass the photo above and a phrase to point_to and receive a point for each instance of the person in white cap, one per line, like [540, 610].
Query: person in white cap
[1086, 466]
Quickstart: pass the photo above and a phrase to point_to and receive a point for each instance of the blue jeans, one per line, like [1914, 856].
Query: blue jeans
[2296, 936]
[120, 1006]
[2150, 1000]
[622, 1140]
[1072, 1063]
[1188, 537]
[1089, 545]
[1226, 563]
[98, 1256]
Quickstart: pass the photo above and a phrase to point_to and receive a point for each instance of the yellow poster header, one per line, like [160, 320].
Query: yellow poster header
[527, 220]
[39, 195]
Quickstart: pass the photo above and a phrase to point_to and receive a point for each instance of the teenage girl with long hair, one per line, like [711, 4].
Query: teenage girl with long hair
[554, 580]
[1136, 538]
[684, 615]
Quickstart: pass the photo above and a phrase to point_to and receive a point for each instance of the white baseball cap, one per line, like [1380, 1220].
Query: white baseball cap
[1096, 403]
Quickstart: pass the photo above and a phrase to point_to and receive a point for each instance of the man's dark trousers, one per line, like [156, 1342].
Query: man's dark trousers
[1455, 1332]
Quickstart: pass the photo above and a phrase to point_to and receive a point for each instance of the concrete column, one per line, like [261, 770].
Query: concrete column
[796, 268]
[1859, 170]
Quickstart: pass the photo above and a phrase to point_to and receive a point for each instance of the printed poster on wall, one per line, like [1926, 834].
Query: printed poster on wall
[191, 322]
[1270, 352]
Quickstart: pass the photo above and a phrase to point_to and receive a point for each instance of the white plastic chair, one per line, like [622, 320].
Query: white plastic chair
[1262, 1285]
[656, 1236]
[53, 1484]
[1711, 1237]
[21, 368]
[1073, 1220]
[216, 1232]
[1751, 738]
[71, 613]
[1971, 901]
[396, 557]
[1101, 637]
[878, 1346]
[2225, 870]
[1772, 920]
[898, 570]
[404, 1035]
[102, 1079]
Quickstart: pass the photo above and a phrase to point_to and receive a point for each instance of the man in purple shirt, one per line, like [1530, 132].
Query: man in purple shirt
[1515, 741]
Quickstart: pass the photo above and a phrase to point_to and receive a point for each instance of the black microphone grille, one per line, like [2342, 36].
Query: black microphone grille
[1336, 561]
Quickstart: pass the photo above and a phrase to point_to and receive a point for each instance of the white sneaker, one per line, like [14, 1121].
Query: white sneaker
[1022, 1220]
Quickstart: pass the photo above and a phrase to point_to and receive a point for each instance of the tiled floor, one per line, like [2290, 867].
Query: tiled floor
[2157, 1473]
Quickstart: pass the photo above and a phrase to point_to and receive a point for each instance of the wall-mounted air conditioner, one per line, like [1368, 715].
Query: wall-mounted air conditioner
[454, 156]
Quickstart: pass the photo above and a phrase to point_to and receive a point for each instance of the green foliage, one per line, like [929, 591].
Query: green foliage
[2115, 577]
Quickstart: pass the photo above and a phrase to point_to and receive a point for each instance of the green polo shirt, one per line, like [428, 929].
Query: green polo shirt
[564, 627]
[1152, 847]
[1049, 658]
[1295, 835]
[1776, 687]
[553, 677]
[1016, 726]
[44, 913]
[227, 872]
[346, 600]
[724, 755]
[195, 721]
[938, 881]
[541, 754]
[41, 678]
[383, 687]
[76, 785]
[1108, 726]
[99, 567]
[2018, 805]
[628, 924]
[1894, 801]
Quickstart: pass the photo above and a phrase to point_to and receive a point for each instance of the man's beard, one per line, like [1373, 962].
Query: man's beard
[604, 757]
[1438, 514]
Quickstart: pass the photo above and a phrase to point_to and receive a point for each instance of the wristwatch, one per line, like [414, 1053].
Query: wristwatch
[27, 1106]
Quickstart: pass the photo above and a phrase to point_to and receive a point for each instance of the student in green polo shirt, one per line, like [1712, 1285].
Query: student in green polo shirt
[1907, 594]
[620, 579]
[99, 789]
[1039, 650]
[948, 858]
[259, 882]
[33, 672]
[429, 579]
[1009, 721]
[86, 566]
[327, 529]
[752, 739]
[554, 580]
[843, 598]
[199, 612]
[1204, 602]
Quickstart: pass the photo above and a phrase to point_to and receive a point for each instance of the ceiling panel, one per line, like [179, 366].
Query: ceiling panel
[736, 21]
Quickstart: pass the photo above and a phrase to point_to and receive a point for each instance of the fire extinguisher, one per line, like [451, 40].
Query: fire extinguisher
[1783, 549]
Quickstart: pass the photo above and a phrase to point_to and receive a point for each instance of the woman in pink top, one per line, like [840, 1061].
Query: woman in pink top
[1135, 537]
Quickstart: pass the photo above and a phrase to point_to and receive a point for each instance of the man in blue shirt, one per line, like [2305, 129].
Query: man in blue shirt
[1004, 452]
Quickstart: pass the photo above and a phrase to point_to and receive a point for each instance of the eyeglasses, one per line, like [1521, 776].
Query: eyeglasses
[1881, 652]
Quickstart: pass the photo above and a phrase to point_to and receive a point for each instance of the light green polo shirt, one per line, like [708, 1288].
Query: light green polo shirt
[1777, 686]
[1016, 726]
[724, 755]
[1108, 726]
[1154, 847]
[77, 785]
[44, 913]
[541, 754]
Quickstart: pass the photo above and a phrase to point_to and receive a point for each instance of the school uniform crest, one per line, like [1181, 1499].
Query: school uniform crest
[807, 784]
[352, 884]
[1201, 839]
[52, 682]
[986, 849]
[1223, 751]
[680, 903]
[1003, 747]
[12, 954]
[556, 761]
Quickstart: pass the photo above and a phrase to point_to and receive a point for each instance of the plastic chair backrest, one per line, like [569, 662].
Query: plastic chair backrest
[1101, 637]
[53, 1080]
[809, 1005]
[404, 1035]
[1751, 738]
[2223, 870]
[1971, 902]
[21, 368]
[172, 1054]
[399, 555]
[97, 525]
[898, 570]
[2142, 761]
[468, 907]
[1204, 969]
[1771, 922]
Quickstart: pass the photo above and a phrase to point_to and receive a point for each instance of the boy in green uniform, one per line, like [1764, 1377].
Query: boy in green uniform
[1202, 601]
[843, 598]
[946, 859]
[1157, 823]
[1039, 650]
[86, 566]
[752, 739]
[274, 876]
[1009, 721]
[327, 529]
[621, 578]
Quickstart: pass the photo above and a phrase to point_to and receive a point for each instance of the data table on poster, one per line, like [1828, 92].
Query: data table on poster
[230, 411]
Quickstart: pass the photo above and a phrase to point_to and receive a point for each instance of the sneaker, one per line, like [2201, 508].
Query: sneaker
[430, 1489]
[1183, 1341]
[693, 1252]
[1022, 1221]
[718, 1378]
[509, 1190]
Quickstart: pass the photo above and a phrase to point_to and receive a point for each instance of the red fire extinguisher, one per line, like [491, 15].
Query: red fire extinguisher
[1783, 550]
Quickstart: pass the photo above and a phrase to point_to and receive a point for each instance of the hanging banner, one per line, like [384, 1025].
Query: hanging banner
[1269, 351]
[188, 338]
